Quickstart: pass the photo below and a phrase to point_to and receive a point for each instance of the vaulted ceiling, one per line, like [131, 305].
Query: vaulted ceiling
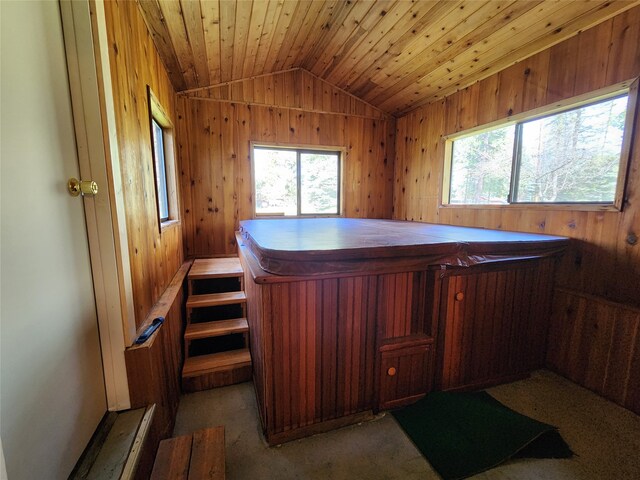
[393, 54]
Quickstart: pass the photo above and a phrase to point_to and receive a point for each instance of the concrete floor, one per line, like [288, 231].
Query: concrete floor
[605, 437]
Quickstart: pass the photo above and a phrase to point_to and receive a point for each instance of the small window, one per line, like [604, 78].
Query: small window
[163, 162]
[575, 156]
[161, 170]
[296, 182]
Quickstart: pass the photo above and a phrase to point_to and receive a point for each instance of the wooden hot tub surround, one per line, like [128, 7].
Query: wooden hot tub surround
[351, 316]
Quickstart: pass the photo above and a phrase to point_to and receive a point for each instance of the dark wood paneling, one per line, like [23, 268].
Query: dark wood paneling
[395, 305]
[597, 344]
[321, 360]
[214, 151]
[255, 318]
[216, 379]
[313, 349]
[406, 373]
[407, 305]
[494, 323]
[154, 257]
[154, 367]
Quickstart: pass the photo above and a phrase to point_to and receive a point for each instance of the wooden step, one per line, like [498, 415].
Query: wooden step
[216, 328]
[215, 268]
[216, 299]
[196, 456]
[216, 362]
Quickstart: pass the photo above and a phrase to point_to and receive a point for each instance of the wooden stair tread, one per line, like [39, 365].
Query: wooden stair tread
[216, 299]
[207, 454]
[194, 366]
[172, 458]
[191, 457]
[216, 328]
[227, 267]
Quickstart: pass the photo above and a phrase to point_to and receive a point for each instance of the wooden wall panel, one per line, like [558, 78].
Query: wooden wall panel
[135, 64]
[600, 262]
[597, 344]
[295, 89]
[214, 150]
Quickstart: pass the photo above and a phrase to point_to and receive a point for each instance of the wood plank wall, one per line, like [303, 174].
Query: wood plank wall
[295, 89]
[293, 108]
[600, 263]
[597, 344]
[154, 257]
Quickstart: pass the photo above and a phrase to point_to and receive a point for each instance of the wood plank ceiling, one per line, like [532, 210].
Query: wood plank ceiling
[393, 54]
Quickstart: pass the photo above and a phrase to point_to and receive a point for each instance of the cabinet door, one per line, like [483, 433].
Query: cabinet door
[494, 323]
[405, 374]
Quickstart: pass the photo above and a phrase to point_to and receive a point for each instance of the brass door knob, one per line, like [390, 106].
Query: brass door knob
[392, 371]
[82, 187]
[459, 296]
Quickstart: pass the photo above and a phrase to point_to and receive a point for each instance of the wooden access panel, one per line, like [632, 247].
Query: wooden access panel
[405, 373]
[493, 323]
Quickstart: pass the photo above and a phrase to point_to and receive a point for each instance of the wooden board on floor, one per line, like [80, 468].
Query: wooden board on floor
[198, 456]
[207, 454]
[172, 459]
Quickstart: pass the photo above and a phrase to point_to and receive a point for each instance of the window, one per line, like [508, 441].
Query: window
[575, 156]
[161, 170]
[296, 182]
[163, 163]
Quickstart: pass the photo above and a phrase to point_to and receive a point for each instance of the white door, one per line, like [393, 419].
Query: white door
[52, 393]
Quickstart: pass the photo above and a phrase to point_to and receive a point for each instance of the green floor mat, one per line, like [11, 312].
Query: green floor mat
[462, 434]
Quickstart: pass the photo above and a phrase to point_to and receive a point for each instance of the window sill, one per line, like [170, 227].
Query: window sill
[266, 215]
[168, 225]
[577, 207]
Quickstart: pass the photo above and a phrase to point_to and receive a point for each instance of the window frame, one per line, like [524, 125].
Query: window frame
[299, 149]
[155, 126]
[158, 115]
[629, 88]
